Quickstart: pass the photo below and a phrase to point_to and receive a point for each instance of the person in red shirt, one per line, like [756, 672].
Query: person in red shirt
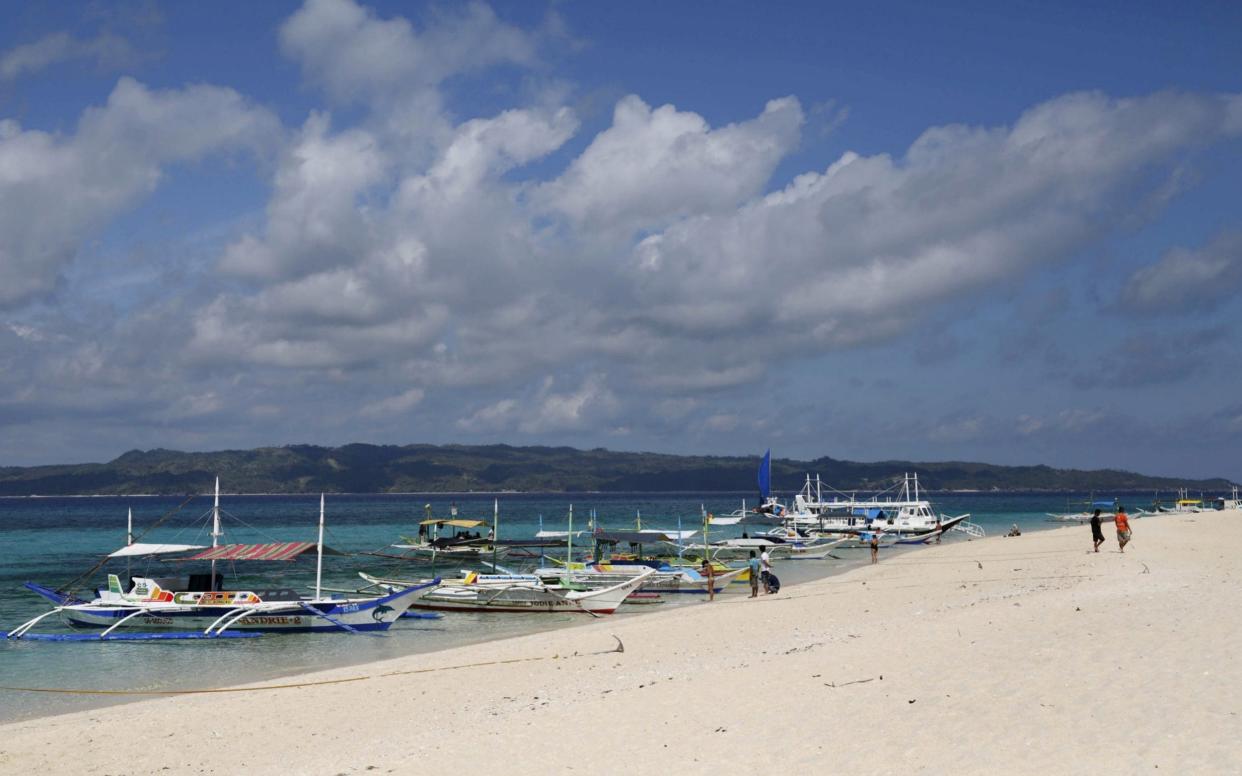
[1123, 528]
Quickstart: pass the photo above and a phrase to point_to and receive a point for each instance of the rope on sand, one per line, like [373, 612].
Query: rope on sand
[78, 691]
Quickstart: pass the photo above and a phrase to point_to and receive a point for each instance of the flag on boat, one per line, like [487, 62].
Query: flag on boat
[272, 551]
[765, 474]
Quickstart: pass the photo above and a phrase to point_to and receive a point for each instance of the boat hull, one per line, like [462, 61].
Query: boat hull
[375, 614]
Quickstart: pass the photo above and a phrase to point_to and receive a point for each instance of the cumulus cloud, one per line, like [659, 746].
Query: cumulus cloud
[1186, 280]
[858, 252]
[352, 53]
[57, 190]
[105, 49]
[548, 411]
[654, 167]
[410, 261]
[314, 219]
[655, 253]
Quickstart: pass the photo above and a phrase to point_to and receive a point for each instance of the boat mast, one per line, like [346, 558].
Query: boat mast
[215, 531]
[495, 528]
[129, 540]
[569, 552]
[319, 556]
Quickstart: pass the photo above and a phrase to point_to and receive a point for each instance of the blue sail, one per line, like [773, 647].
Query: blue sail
[765, 474]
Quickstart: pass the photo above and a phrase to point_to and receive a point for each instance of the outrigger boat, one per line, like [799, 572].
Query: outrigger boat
[195, 606]
[505, 593]
[906, 515]
[1106, 506]
[434, 544]
[665, 579]
[777, 547]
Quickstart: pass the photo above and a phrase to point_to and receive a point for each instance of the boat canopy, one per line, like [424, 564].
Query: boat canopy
[140, 549]
[272, 551]
[632, 537]
[454, 522]
[1104, 503]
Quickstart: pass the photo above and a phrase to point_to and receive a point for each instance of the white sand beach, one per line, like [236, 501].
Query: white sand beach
[1028, 654]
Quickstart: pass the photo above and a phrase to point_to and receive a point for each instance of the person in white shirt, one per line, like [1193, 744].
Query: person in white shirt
[765, 560]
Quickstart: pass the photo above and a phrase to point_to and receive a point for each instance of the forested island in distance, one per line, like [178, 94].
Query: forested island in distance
[365, 468]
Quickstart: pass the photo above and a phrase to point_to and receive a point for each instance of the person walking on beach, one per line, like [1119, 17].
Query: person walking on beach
[1097, 533]
[755, 568]
[765, 560]
[1123, 528]
[875, 545]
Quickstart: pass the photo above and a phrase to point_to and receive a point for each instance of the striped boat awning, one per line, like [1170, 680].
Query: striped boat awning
[273, 551]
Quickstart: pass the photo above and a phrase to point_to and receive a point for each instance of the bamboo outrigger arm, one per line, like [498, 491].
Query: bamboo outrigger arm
[21, 630]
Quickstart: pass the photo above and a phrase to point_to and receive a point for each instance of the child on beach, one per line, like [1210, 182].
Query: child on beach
[875, 545]
[1097, 534]
[755, 567]
[1123, 528]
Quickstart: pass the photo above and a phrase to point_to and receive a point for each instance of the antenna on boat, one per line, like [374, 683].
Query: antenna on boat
[319, 558]
[215, 531]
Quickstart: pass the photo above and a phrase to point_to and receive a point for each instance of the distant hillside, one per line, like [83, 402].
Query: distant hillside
[362, 468]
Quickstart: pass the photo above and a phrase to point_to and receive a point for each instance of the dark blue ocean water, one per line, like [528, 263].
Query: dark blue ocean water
[53, 540]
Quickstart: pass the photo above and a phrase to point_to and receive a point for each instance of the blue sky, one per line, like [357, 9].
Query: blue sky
[955, 231]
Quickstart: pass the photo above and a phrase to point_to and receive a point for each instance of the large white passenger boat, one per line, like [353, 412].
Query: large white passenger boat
[899, 510]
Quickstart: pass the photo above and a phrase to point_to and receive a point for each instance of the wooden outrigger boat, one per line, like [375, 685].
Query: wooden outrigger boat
[196, 606]
[665, 579]
[505, 593]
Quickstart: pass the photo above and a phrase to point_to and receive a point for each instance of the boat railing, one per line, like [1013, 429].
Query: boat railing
[972, 529]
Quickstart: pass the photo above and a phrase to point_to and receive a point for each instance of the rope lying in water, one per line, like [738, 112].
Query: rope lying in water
[74, 691]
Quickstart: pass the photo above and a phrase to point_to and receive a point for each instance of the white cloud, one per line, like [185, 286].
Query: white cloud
[654, 167]
[546, 411]
[354, 54]
[57, 190]
[106, 49]
[1186, 280]
[410, 260]
[315, 219]
[860, 251]
[393, 405]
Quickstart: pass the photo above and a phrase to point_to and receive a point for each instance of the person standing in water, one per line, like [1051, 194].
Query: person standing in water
[1097, 533]
[1123, 528]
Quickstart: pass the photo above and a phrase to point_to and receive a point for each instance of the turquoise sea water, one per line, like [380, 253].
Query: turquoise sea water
[53, 540]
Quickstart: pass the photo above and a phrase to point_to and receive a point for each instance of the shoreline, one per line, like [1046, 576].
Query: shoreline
[1022, 654]
[587, 493]
[513, 626]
